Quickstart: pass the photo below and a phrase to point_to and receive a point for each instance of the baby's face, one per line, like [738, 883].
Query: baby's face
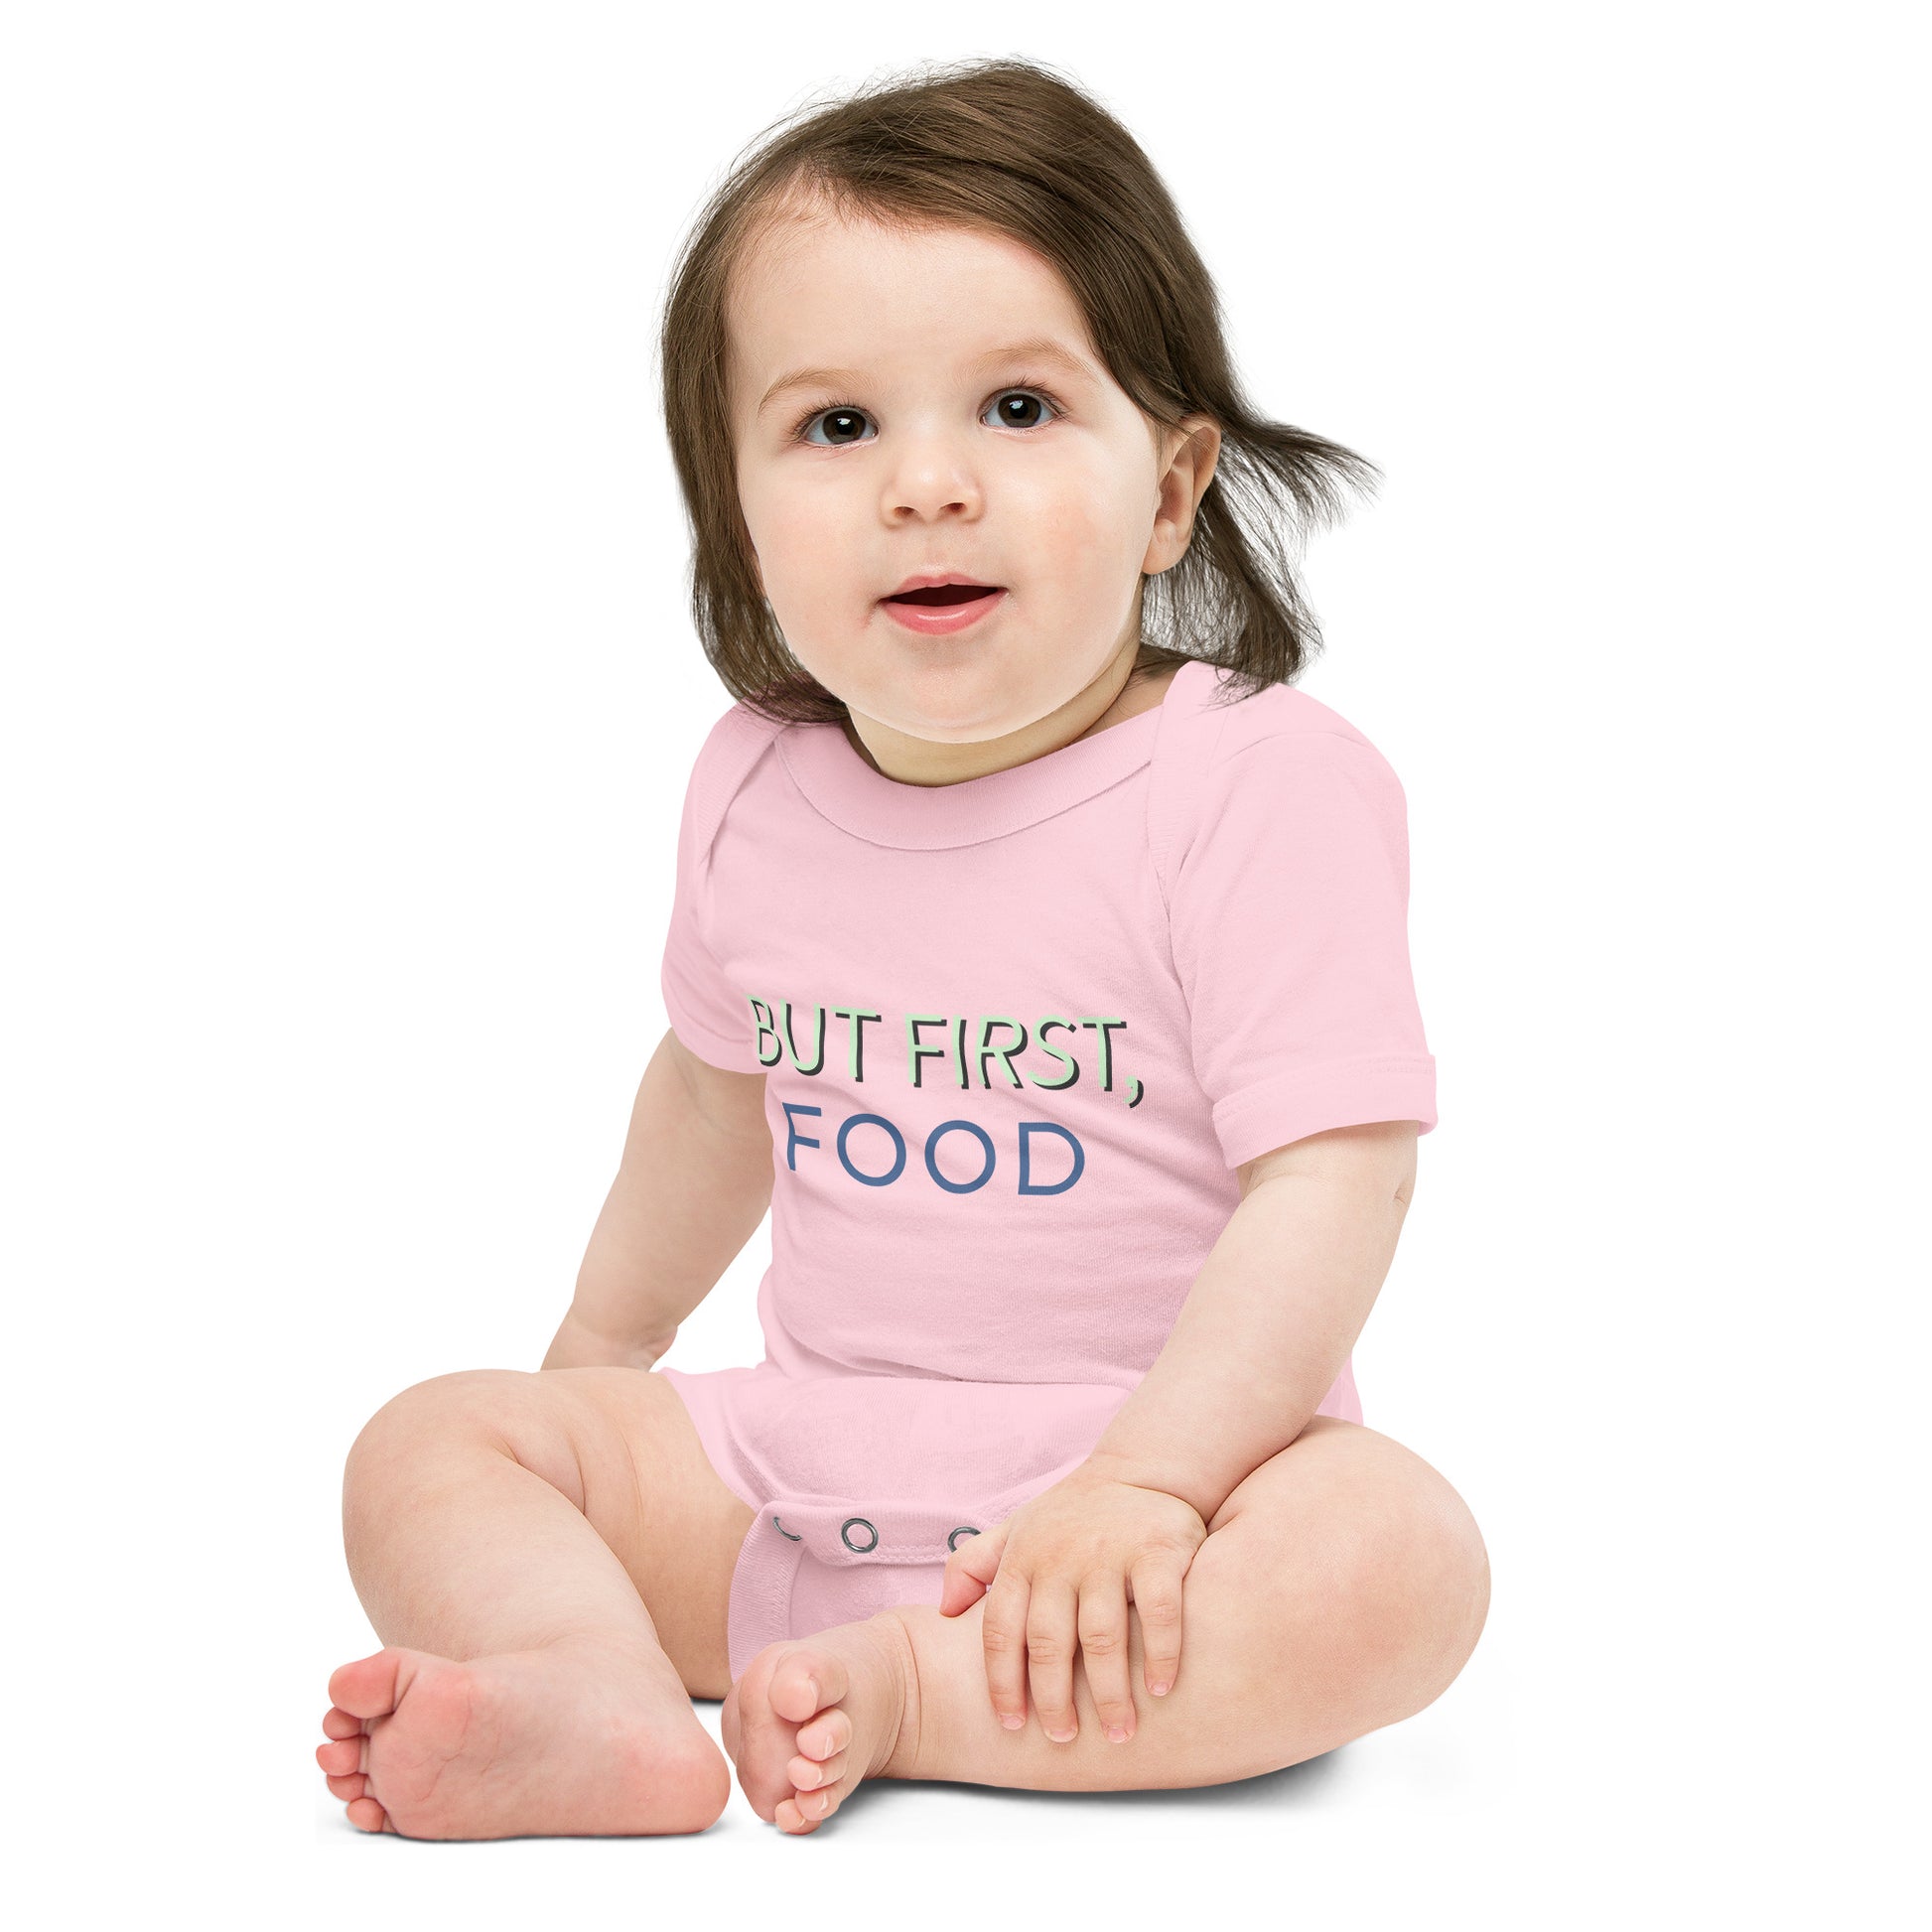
[930, 447]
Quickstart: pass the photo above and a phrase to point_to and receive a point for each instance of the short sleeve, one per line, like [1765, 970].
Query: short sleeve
[1288, 923]
[706, 1011]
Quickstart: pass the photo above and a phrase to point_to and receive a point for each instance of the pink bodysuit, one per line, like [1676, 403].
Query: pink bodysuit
[1017, 1033]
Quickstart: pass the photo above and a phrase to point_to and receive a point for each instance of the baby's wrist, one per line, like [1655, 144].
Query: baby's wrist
[579, 1343]
[1147, 1472]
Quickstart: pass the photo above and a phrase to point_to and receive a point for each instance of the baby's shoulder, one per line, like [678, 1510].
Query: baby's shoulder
[739, 728]
[1216, 727]
[1274, 757]
[733, 745]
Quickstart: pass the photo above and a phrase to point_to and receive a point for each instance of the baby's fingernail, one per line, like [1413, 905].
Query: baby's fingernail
[1011, 1722]
[1115, 1735]
[1061, 1736]
[1160, 1689]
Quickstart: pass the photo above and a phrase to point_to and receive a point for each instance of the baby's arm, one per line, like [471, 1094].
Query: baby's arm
[1271, 1316]
[693, 1185]
[1262, 1336]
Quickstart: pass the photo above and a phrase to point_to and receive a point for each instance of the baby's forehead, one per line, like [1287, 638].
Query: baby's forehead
[814, 287]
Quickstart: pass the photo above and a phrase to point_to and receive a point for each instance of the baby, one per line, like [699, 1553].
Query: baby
[1050, 987]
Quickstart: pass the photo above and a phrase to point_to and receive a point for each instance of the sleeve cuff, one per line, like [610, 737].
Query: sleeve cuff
[1311, 1099]
[713, 1047]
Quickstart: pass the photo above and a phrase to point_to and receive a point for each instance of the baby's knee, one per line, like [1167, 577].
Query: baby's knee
[467, 1402]
[1417, 1576]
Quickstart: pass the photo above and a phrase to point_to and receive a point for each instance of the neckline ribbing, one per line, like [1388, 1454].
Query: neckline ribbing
[844, 788]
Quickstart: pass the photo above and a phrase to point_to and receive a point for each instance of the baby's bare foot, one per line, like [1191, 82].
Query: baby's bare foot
[809, 1719]
[563, 1742]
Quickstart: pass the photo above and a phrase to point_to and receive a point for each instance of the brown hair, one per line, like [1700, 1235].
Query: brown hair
[1010, 147]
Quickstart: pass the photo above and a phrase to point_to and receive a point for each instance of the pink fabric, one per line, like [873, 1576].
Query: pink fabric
[1017, 1033]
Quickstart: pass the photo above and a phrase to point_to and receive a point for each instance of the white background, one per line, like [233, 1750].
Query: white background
[350, 698]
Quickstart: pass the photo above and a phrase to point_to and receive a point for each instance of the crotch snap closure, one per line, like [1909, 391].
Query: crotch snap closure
[783, 1531]
[852, 1523]
[965, 1529]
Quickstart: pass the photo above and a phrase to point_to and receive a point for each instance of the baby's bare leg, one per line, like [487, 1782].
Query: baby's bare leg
[1342, 1588]
[520, 1541]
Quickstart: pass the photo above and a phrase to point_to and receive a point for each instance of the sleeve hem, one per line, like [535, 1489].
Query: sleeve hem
[1339, 1093]
[713, 1047]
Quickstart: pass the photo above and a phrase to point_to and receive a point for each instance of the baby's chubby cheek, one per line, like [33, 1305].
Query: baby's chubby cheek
[813, 544]
[1085, 527]
[1072, 560]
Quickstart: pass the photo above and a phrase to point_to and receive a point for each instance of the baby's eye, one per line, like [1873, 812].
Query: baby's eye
[1021, 396]
[846, 421]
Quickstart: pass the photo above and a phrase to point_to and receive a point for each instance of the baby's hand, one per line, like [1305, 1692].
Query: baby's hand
[1063, 1568]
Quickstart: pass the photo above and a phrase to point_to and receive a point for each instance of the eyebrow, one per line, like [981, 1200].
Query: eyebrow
[1039, 348]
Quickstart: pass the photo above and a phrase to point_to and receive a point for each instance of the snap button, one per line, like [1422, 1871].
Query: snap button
[845, 1534]
[783, 1531]
[965, 1529]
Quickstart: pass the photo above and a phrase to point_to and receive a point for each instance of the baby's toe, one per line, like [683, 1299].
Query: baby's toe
[367, 1816]
[790, 1820]
[814, 1774]
[355, 1786]
[827, 1734]
[814, 1807]
[339, 1723]
[339, 1756]
[805, 1681]
[369, 1687]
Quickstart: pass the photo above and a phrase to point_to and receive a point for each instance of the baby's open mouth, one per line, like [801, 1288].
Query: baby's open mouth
[946, 594]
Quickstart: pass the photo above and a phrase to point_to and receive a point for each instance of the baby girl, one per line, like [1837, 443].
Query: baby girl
[1049, 985]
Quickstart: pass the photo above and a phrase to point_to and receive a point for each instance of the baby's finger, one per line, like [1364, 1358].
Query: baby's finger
[1003, 1636]
[1157, 1603]
[1103, 1649]
[1052, 1629]
[970, 1569]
